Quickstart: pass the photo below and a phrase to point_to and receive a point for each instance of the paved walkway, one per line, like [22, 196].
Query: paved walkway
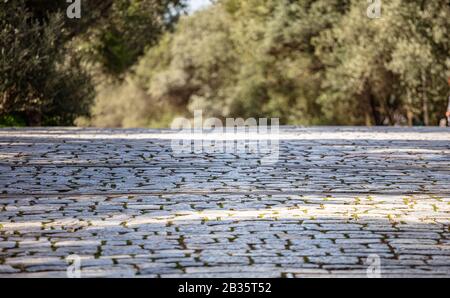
[339, 202]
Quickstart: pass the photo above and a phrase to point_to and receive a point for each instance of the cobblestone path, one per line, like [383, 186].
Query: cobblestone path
[338, 202]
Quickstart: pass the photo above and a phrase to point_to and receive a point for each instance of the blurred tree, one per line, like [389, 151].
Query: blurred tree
[305, 61]
[196, 66]
[42, 77]
[115, 32]
[244, 59]
[128, 28]
[284, 75]
[39, 83]
[387, 69]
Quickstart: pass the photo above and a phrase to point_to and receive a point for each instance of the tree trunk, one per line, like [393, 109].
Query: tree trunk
[368, 118]
[371, 114]
[374, 109]
[33, 118]
[409, 112]
[410, 116]
[426, 119]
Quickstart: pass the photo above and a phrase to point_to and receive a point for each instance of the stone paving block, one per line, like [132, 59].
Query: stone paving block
[129, 206]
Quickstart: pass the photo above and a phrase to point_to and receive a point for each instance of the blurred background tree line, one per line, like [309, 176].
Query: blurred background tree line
[138, 63]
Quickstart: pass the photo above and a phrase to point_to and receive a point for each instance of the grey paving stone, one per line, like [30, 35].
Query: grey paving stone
[129, 206]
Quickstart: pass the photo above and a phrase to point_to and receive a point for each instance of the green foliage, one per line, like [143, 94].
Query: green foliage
[127, 105]
[390, 70]
[306, 61]
[11, 121]
[195, 66]
[39, 81]
[114, 32]
[44, 76]
[241, 59]
[119, 39]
